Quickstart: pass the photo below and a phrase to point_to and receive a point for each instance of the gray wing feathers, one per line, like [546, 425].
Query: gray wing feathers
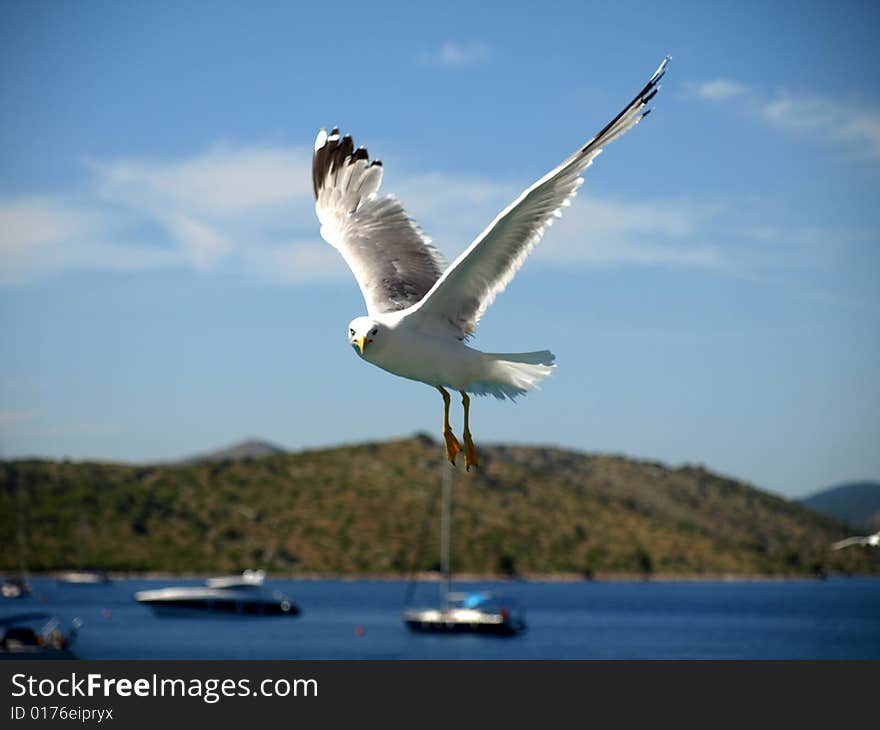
[472, 282]
[393, 261]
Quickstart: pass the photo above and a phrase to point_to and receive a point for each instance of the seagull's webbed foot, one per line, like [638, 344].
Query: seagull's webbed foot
[453, 447]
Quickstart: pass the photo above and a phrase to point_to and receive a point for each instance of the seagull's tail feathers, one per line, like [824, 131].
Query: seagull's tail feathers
[512, 374]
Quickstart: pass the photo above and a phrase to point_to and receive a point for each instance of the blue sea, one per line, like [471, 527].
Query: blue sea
[832, 619]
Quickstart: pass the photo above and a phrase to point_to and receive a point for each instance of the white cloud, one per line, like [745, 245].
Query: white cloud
[246, 208]
[294, 263]
[718, 89]
[224, 181]
[204, 246]
[854, 124]
[594, 231]
[452, 53]
[603, 232]
[250, 210]
[39, 236]
[858, 126]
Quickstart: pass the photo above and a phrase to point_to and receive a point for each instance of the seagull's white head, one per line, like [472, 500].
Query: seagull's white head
[363, 332]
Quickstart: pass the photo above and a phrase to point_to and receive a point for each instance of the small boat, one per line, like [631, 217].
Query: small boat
[229, 595]
[84, 577]
[36, 636]
[478, 612]
[16, 587]
[481, 613]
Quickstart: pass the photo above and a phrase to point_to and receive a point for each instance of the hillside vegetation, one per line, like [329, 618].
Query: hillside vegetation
[374, 509]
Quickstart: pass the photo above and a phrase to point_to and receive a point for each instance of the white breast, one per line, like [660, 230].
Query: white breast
[429, 359]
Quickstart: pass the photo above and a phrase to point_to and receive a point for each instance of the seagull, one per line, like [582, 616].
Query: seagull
[867, 540]
[420, 313]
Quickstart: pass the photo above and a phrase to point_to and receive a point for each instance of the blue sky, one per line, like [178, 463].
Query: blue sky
[711, 296]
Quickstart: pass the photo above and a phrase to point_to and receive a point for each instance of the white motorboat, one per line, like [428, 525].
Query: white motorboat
[84, 577]
[228, 595]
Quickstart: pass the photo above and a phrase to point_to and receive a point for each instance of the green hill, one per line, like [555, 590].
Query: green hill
[857, 503]
[373, 509]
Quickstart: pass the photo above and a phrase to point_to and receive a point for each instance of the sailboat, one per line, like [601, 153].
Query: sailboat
[18, 586]
[81, 576]
[479, 612]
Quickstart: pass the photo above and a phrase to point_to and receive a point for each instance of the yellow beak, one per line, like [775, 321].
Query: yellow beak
[362, 344]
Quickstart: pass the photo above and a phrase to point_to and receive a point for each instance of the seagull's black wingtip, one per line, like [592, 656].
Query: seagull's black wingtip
[661, 69]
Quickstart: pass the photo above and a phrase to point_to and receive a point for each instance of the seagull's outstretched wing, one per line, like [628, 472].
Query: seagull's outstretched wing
[470, 284]
[393, 261]
[849, 541]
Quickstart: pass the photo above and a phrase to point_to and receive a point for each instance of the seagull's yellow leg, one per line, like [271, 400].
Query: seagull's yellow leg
[452, 445]
[470, 451]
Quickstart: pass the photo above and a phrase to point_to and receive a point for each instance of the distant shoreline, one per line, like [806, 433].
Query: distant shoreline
[433, 577]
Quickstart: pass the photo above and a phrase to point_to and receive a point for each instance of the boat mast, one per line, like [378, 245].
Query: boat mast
[445, 536]
[81, 534]
[22, 536]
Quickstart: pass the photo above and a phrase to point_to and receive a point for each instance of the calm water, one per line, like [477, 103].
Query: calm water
[834, 619]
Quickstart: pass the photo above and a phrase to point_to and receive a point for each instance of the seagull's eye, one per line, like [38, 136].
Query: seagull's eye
[351, 332]
[375, 330]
